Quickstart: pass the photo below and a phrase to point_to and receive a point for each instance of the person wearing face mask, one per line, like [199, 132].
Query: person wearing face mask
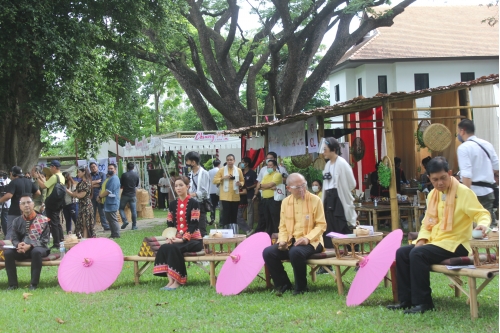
[478, 163]
[338, 182]
[316, 187]
[110, 195]
[250, 184]
[269, 209]
[280, 168]
[200, 187]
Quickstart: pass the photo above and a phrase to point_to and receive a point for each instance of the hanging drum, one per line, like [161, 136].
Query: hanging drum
[358, 149]
[437, 137]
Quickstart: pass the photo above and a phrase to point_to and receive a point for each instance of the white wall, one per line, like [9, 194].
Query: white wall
[400, 75]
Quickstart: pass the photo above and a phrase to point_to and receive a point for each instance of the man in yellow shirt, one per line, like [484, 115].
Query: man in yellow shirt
[452, 208]
[302, 223]
[269, 209]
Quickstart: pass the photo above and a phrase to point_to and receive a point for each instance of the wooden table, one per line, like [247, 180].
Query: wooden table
[413, 213]
[373, 211]
[213, 242]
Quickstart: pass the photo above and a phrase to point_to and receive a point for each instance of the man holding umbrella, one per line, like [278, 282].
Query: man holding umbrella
[30, 236]
[302, 223]
[446, 230]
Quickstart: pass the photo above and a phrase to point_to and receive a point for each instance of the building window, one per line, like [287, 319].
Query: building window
[382, 84]
[421, 81]
[467, 76]
[360, 87]
[337, 93]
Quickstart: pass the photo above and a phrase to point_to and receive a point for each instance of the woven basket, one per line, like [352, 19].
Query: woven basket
[437, 137]
[319, 163]
[302, 161]
[70, 241]
[147, 212]
[142, 197]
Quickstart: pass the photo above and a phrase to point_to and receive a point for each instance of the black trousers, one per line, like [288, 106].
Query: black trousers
[269, 216]
[229, 212]
[55, 226]
[215, 202]
[162, 197]
[335, 216]
[413, 266]
[36, 255]
[297, 256]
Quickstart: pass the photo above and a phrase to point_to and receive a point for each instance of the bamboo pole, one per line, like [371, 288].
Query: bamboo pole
[467, 102]
[349, 121]
[391, 150]
[434, 118]
[321, 127]
[266, 140]
[447, 108]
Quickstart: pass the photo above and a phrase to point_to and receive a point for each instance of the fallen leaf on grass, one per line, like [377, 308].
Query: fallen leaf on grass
[60, 321]
[211, 300]
[160, 304]
[26, 295]
[339, 312]
[24, 310]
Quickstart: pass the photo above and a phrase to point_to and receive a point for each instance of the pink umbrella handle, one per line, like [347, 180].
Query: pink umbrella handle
[87, 262]
[235, 258]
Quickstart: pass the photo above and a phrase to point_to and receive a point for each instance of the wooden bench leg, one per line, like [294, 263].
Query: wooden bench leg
[394, 283]
[136, 273]
[473, 298]
[269, 285]
[212, 273]
[338, 278]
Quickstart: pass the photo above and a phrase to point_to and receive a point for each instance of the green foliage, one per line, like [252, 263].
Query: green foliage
[384, 175]
[309, 173]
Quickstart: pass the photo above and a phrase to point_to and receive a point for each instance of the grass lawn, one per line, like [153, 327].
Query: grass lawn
[197, 307]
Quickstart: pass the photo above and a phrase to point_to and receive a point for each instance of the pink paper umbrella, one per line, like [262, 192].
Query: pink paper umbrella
[90, 266]
[373, 268]
[243, 265]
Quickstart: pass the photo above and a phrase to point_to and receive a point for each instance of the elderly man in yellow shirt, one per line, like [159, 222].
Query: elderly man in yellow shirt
[302, 223]
[452, 208]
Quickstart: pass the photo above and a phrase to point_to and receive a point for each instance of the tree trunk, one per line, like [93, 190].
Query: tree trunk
[21, 141]
[157, 111]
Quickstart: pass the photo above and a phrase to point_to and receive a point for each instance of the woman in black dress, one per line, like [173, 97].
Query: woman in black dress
[184, 215]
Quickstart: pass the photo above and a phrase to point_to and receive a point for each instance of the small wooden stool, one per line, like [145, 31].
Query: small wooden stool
[488, 244]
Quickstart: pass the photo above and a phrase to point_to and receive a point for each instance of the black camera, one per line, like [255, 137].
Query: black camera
[232, 177]
[327, 176]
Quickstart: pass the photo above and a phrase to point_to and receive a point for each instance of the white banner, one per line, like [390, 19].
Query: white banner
[312, 135]
[112, 160]
[288, 140]
[82, 163]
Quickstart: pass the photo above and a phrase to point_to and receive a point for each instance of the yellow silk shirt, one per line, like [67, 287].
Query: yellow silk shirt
[467, 210]
[296, 210]
[230, 195]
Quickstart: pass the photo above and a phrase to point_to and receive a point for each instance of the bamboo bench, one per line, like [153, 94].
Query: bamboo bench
[213, 260]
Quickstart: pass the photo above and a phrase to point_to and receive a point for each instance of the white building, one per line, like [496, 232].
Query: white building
[426, 47]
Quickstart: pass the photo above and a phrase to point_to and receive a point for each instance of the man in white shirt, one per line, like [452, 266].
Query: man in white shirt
[478, 163]
[163, 193]
[214, 197]
[280, 168]
[199, 187]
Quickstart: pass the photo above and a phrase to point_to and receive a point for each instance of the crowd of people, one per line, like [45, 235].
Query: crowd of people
[301, 220]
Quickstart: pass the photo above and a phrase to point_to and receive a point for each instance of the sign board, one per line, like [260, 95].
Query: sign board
[288, 140]
[226, 233]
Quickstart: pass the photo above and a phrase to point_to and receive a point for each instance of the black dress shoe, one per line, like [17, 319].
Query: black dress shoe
[32, 287]
[12, 288]
[114, 236]
[400, 306]
[421, 308]
[281, 290]
[299, 292]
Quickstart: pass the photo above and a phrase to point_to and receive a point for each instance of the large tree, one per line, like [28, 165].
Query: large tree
[213, 59]
[53, 77]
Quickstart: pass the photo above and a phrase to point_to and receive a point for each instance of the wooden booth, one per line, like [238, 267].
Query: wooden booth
[399, 122]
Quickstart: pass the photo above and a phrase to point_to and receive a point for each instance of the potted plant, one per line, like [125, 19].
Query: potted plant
[358, 199]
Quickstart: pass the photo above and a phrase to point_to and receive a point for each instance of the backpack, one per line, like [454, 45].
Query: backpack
[56, 198]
